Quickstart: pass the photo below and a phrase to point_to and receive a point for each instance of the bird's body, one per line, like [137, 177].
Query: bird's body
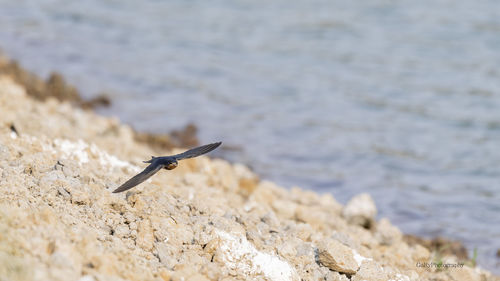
[169, 162]
[164, 162]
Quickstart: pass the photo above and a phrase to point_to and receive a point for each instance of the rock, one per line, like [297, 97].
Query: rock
[420, 254]
[335, 276]
[197, 277]
[264, 193]
[181, 234]
[122, 231]
[463, 274]
[314, 216]
[287, 250]
[370, 270]
[360, 210]
[443, 245]
[241, 257]
[329, 204]
[182, 273]
[162, 226]
[80, 197]
[343, 238]
[305, 256]
[337, 256]
[304, 249]
[145, 236]
[166, 254]
[211, 271]
[86, 278]
[284, 209]
[304, 231]
[403, 277]
[64, 193]
[105, 263]
[304, 197]
[386, 233]
[212, 246]
[248, 181]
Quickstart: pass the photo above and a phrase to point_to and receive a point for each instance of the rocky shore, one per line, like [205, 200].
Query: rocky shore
[206, 220]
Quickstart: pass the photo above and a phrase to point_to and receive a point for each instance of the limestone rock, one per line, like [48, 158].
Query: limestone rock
[145, 236]
[370, 270]
[335, 276]
[314, 216]
[420, 253]
[284, 209]
[386, 233]
[247, 180]
[337, 256]
[360, 210]
[463, 274]
[121, 231]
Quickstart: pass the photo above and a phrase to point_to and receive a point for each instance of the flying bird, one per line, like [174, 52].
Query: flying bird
[167, 162]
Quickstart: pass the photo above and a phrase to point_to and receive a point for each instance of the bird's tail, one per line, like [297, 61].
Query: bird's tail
[150, 161]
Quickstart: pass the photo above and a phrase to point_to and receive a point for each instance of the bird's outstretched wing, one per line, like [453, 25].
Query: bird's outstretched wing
[142, 176]
[197, 151]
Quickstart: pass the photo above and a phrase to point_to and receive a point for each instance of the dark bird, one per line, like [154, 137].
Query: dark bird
[167, 162]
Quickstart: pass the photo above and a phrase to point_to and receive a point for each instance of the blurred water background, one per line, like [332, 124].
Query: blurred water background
[400, 99]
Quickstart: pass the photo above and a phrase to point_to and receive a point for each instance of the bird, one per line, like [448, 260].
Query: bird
[164, 162]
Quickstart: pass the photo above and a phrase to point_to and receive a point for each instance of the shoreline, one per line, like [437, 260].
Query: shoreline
[185, 137]
[297, 231]
[55, 86]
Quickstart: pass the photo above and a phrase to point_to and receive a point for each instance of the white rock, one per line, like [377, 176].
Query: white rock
[240, 255]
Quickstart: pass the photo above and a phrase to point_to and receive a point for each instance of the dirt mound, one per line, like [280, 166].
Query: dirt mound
[206, 220]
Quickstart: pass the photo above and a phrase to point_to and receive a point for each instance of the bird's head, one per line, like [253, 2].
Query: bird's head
[172, 165]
